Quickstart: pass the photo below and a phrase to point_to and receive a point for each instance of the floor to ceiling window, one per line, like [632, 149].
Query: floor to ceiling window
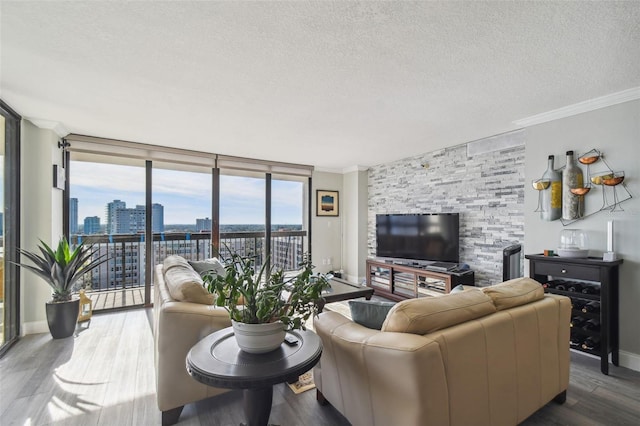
[288, 221]
[2, 140]
[9, 226]
[242, 216]
[141, 203]
[107, 209]
[181, 211]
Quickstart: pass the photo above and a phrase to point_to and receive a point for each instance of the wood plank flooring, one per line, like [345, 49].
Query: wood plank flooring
[105, 376]
[116, 299]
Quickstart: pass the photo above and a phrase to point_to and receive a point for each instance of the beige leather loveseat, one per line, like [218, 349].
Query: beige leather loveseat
[490, 357]
[183, 315]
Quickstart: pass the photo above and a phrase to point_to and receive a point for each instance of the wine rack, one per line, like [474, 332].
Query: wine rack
[592, 285]
[400, 282]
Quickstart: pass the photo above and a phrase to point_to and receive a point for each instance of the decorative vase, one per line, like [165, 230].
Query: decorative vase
[572, 178]
[552, 198]
[259, 338]
[62, 318]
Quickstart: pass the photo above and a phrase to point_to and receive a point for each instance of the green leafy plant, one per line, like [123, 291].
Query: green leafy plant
[63, 267]
[264, 297]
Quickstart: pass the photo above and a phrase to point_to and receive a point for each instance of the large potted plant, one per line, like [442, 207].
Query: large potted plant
[61, 269]
[263, 305]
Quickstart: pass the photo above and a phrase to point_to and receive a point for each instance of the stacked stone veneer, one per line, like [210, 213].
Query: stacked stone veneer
[487, 190]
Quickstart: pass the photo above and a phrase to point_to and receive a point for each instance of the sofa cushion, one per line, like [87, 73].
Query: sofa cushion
[428, 314]
[369, 313]
[184, 284]
[516, 292]
[208, 265]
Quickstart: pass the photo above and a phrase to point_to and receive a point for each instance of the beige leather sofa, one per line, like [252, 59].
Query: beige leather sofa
[489, 357]
[179, 323]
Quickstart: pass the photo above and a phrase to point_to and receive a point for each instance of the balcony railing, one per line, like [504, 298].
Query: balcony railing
[125, 267]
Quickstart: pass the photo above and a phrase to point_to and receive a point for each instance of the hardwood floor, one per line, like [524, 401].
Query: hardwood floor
[105, 376]
[116, 299]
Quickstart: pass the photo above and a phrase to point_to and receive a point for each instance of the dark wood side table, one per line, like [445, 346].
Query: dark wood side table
[218, 361]
[600, 273]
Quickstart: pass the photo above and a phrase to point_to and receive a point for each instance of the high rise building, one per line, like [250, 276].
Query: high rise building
[73, 216]
[112, 208]
[203, 224]
[121, 220]
[130, 221]
[157, 217]
[91, 225]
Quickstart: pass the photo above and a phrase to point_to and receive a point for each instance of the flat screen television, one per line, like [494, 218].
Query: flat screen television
[434, 236]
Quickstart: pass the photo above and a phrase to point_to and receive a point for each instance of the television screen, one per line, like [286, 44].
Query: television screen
[419, 236]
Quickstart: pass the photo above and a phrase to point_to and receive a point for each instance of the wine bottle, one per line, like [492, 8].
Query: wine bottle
[590, 289]
[592, 325]
[572, 204]
[575, 287]
[577, 322]
[577, 305]
[592, 307]
[551, 197]
[575, 342]
[591, 343]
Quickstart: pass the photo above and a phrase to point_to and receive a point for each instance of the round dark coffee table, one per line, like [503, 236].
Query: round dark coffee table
[218, 361]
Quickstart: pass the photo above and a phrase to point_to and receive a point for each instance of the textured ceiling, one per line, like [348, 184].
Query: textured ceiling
[332, 84]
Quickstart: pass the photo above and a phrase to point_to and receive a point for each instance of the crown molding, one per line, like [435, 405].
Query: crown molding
[343, 171]
[56, 126]
[355, 169]
[327, 170]
[581, 107]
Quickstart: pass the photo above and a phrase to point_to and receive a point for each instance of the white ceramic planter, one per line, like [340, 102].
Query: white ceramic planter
[259, 338]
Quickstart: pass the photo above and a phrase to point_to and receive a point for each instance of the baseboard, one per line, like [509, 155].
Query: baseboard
[34, 327]
[629, 360]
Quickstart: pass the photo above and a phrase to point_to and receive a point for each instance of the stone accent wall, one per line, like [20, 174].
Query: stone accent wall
[487, 190]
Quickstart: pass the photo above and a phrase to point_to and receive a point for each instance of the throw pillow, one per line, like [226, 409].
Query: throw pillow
[209, 265]
[173, 261]
[369, 313]
[457, 289]
[185, 285]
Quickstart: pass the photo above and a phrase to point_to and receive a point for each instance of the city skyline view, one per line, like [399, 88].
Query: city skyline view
[186, 196]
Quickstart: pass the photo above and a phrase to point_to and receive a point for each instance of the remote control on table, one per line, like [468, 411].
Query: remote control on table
[290, 340]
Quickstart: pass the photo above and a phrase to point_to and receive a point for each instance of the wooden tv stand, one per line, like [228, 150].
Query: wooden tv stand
[400, 282]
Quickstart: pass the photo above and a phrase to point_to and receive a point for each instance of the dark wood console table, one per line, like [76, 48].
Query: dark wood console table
[400, 282]
[218, 361]
[602, 280]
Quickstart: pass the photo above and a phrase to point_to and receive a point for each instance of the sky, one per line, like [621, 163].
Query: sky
[184, 195]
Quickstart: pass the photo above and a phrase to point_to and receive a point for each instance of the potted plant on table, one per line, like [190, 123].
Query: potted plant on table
[61, 269]
[264, 305]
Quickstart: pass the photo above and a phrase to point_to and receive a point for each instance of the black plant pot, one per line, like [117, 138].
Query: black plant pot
[62, 318]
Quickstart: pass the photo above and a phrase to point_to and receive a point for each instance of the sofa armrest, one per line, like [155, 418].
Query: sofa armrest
[178, 326]
[360, 368]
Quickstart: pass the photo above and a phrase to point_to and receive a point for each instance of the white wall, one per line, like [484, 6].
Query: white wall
[354, 242]
[616, 132]
[326, 232]
[41, 207]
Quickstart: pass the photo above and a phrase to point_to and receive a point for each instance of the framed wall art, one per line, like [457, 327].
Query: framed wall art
[327, 203]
